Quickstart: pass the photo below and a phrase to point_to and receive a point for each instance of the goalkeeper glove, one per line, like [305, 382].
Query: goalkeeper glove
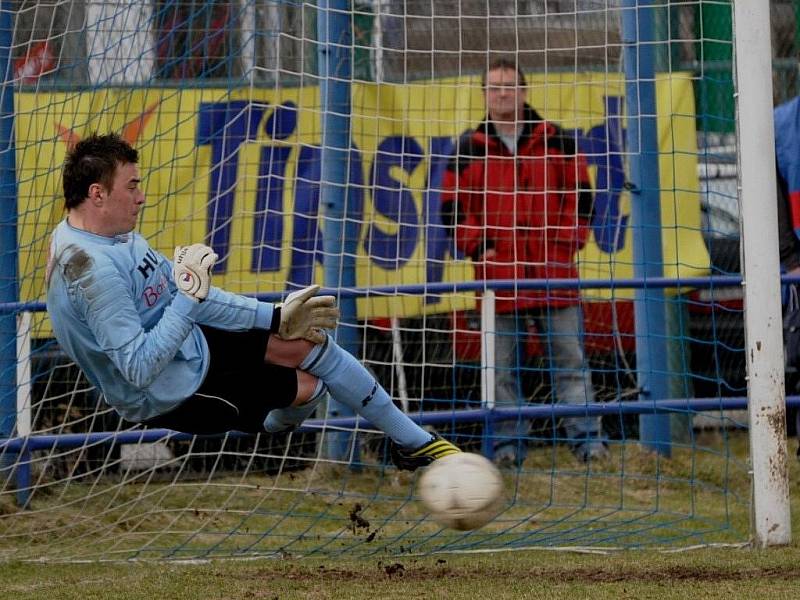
[192, 270]
[305, 316]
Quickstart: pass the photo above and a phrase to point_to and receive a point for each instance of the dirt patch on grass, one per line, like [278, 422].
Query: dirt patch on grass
[414, 571]
[699, 574]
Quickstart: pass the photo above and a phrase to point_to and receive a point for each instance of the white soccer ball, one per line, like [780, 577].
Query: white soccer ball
[462, 491]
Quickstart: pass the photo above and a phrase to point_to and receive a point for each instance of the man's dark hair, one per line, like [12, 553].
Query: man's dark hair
[94, 160]
[504, 62]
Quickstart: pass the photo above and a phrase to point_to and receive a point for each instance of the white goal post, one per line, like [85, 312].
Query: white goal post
[761, 273]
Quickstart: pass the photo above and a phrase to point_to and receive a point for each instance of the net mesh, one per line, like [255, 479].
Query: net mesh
[223, 101]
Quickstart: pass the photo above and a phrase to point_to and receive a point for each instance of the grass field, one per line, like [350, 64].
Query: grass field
[709, 573]
[714, 484]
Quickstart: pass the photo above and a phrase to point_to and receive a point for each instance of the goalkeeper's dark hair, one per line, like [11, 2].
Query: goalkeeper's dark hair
[94, 160]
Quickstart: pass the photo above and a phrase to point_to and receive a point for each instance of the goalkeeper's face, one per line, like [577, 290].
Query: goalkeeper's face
[124, 201]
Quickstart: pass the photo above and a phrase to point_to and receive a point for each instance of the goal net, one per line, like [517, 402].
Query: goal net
[312, 143]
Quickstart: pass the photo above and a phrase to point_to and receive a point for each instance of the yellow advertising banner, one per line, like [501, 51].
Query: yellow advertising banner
[241, 170]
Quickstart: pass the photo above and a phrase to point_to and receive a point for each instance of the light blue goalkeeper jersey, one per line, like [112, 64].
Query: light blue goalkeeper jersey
[117, 313]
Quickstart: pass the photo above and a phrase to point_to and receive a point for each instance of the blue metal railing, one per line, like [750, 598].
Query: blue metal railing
[670, 406]
[480, 285]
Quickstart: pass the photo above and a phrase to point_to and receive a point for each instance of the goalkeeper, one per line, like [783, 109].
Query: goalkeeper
[167, 349]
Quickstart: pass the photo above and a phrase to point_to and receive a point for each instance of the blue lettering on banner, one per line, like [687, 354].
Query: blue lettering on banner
[268, 221]
[282, 122]
[225, 126]
[603, 146]
[394, 201]
[438, 241]
[307, 242]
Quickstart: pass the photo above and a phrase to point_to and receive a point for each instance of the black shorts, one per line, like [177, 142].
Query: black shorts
[239, 389]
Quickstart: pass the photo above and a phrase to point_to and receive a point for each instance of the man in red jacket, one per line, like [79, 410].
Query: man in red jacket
[518, 198]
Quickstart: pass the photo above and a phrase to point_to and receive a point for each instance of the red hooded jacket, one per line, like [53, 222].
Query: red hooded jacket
[533, 208]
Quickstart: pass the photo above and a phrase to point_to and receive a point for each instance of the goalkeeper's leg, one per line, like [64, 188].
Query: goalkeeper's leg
[349, 382]
[287, 419]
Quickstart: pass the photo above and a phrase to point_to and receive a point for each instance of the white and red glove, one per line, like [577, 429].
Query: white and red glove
[192, 270]
[304, 315]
